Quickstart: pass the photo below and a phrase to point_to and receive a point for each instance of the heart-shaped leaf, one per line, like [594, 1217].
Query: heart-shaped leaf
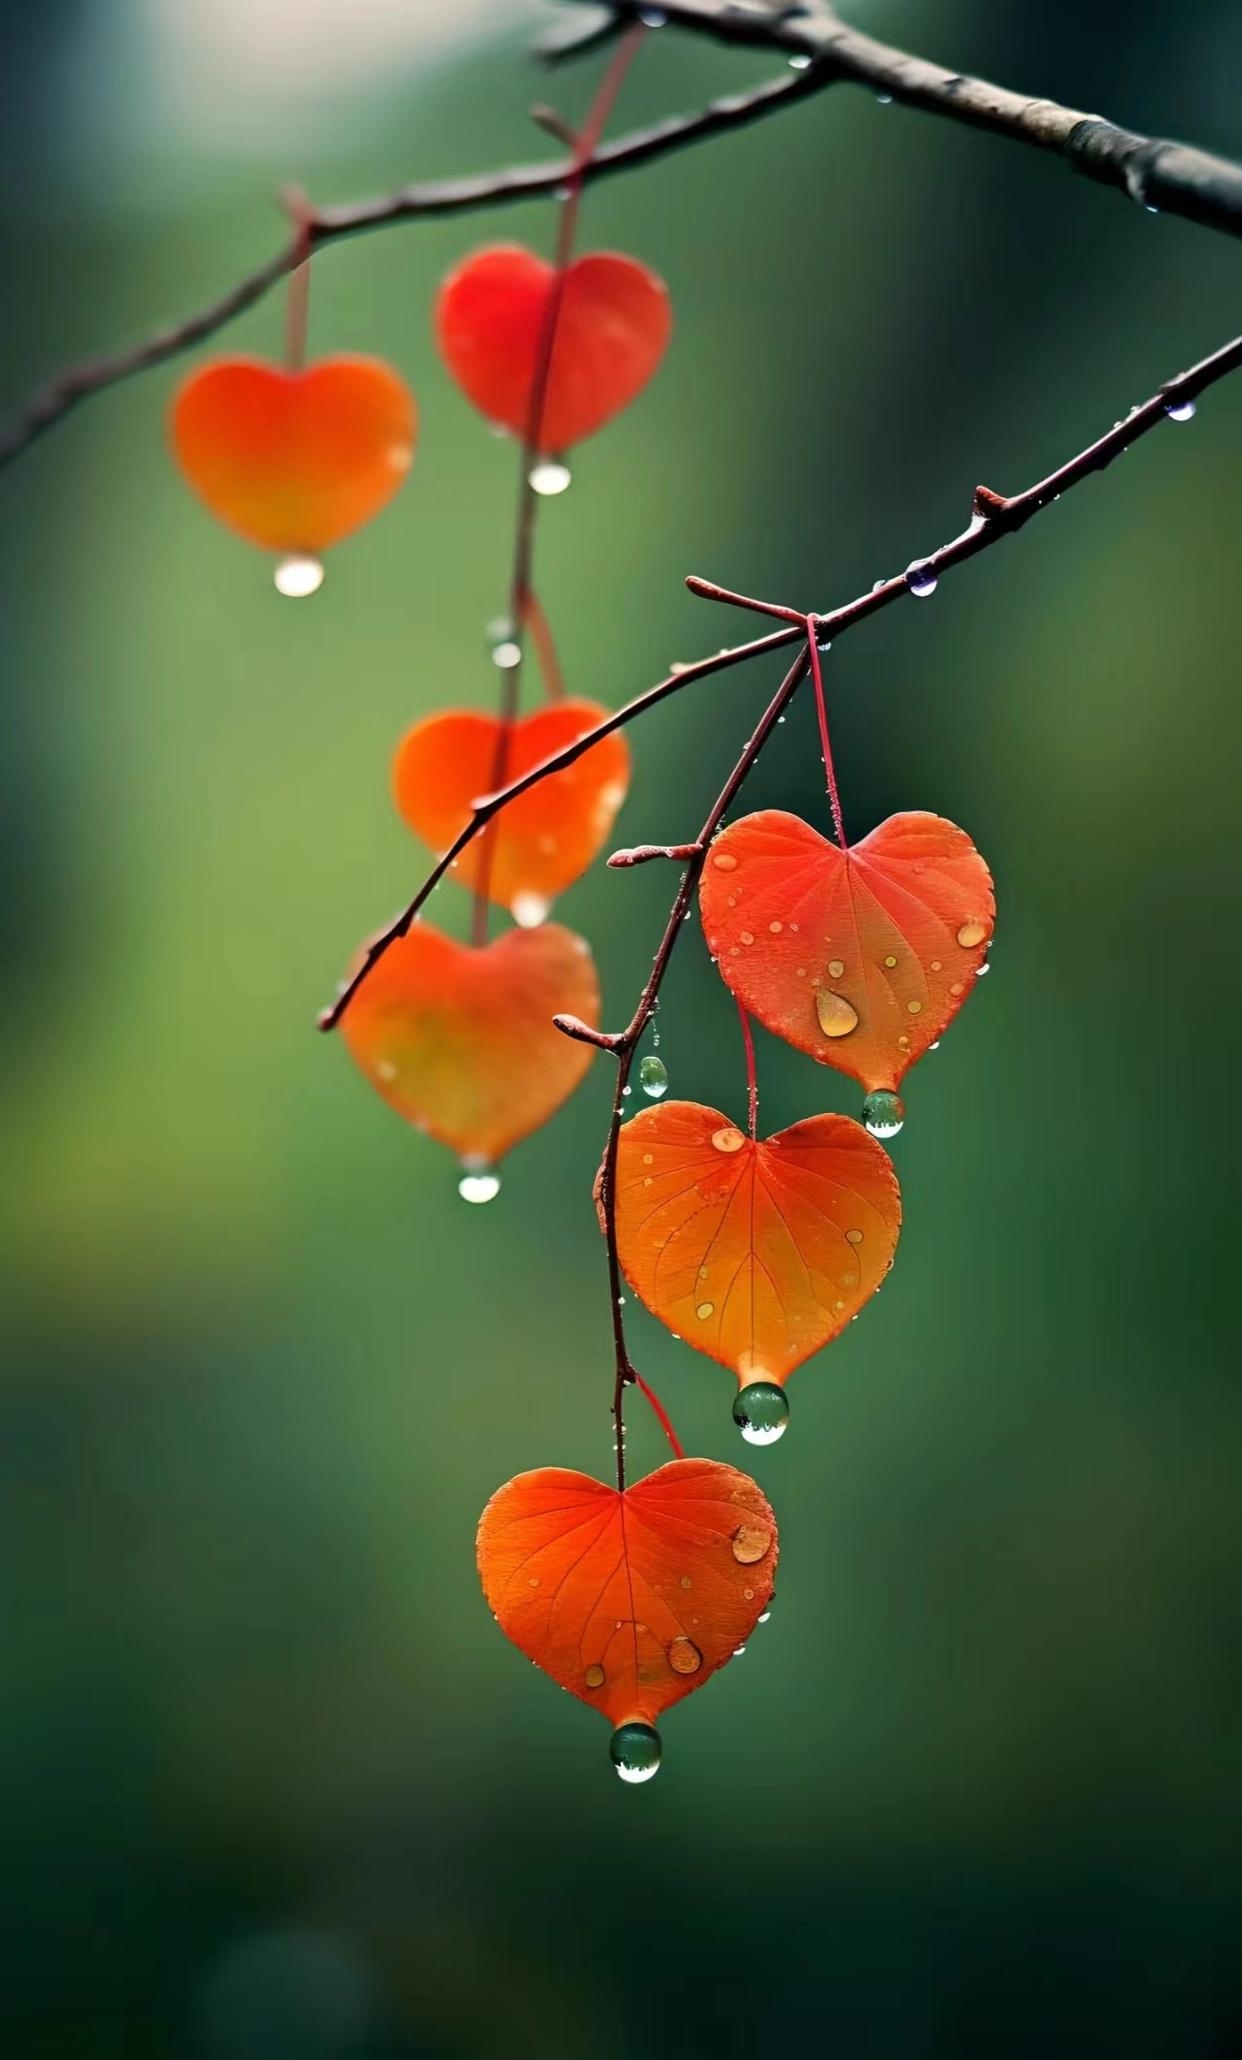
[630, 1601]
[546, 838]
[859, 957]
[460, 1040]
[294, 460]
[612, 329]
[755, 1253]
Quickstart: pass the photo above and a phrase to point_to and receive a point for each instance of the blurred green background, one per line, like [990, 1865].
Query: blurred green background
[274, 1786]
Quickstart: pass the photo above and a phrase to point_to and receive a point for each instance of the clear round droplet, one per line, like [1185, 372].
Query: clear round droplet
[529, 910]
[921, 578]
[883, 1113]
[653, 1076]
[761, 1412]
[549, 476]
[652, 17]
[799, 64]
[507, 654]
[478, 1183]
[1180, 411]
[298, 576]
[635, 1752]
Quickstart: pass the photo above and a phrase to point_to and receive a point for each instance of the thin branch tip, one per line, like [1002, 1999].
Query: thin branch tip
[584, 1033]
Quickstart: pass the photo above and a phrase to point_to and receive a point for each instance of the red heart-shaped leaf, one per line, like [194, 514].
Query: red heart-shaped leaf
[859, 957]
[294, 460]
[460, 1040]
[757, 1253]
[612, 329]
[630, 1601]
[547, 837]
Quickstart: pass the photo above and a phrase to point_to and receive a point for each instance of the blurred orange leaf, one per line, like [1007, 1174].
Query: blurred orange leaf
[542, 841]
[755, 1253]
[859, 957]
[612, 329]
[631, 1601]
[294, 460]
[460, 1040]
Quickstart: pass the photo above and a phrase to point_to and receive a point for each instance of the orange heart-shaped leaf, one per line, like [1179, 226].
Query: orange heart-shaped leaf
[294, 460]
[859, 957]
[631, 1601]
[612, 328]
[460, 1040]
[757, 1253]
[547, 837]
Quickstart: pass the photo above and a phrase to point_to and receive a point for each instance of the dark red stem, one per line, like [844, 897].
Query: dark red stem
[821, 710]
[661, 1416]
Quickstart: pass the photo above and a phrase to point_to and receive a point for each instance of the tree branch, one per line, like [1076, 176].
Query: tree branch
[1173, 178]
[326, 225]
[993, 516]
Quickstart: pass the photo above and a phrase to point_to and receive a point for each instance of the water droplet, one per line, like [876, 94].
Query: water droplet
[981, 970]
[775, 929]
[761, 1412]
[594, 1676]
[884, 99]
[751, 1543]
[635, 1752]
[529, 910]
[728, 1140]
[746, 936]
[653, 1076]
[890, 960]
[478, 1183]
[686, 1582]
[506, 654]
[704, 1310]
[764, 1614]
[652, 17]
[298, 576]
[921, 578]
[549, 477]
[883, 1113]
[836, 966]
[799, 64]
[914, 1008]
[1179, 411]
[738, 1650]
[836, 1015]
[854, 1237]
[972, 933]
[724, 861]
[684, 1656]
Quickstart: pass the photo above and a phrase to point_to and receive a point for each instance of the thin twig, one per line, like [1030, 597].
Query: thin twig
[624, 1044]
[994, 516]
[521, 597]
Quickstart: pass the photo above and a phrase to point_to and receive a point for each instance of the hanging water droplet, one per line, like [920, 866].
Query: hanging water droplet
[684, 1656]
[652, 17]
[635, 1752]
[1179, 411]
[653, 1076]
[738, 1650]
[529, 910]
[298, 576]
[981, 970]
[766, 1612]
[921, 578]
[799, 64]
[883, 1113]
[761, 1412]
[506, 654]
[478, 1183]
[549, 476]
[884, 99]
[837, 1016]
